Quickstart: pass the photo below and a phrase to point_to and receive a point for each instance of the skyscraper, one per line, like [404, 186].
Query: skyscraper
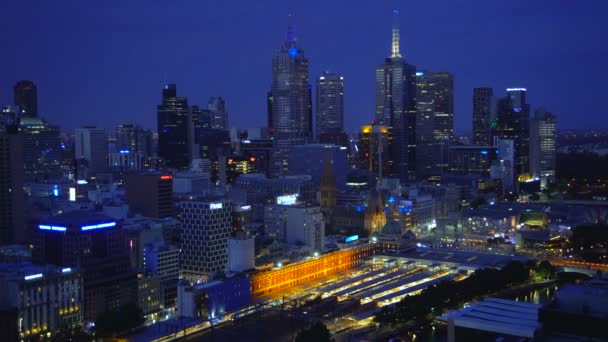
[291, 103]
[135, 139]
[542, 146]
[26, 98]
[41, 149]
[483, 104]
[219, 116]
[330, 103]
[513, 122]
[269, 105]
[12, 229]
[396, 108]
[434, 122]
[91, 150]
[175, 136]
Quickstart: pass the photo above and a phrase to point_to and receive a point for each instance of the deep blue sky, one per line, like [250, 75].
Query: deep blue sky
[104, 62]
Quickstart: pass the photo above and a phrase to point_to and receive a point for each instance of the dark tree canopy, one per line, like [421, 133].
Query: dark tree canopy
[318, 332]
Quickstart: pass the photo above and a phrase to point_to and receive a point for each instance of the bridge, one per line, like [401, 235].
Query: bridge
[587, 268]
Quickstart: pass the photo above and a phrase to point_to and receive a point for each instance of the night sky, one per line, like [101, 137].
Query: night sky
[103, 62]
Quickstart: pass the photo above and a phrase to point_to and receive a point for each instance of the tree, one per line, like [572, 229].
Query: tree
[545, 270]
[74, 334]
[318, 332]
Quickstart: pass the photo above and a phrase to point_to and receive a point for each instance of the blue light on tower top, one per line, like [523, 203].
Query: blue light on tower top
[293, 52]
[484, 152]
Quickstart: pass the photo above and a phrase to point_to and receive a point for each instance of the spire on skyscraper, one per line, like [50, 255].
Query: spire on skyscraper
[291, 33]
[396, 38]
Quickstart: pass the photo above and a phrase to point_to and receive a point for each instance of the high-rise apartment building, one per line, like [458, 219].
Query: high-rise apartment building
[291, 101]
[513, 122]
[330, 103]
[175, 129]
[542, 146]
[434, 122]
[26, 98]
[219, 116]
[12, 228]
[396, 109]
[91, 150]
[206, 226]
[483, 113]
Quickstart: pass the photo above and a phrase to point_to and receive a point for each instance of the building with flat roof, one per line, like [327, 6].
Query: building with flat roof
[150, 194]
[95, 244]
[45, 298]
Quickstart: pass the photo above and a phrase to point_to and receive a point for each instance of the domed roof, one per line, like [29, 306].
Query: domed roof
[409, 235]
[392, 228]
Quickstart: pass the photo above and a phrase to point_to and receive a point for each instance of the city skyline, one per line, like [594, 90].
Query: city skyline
[120, 78]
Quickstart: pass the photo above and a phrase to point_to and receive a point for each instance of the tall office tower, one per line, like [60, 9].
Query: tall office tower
[330, 103]
[135, 139]
[291, 103]
[174, 129]
[513, 122]
[12, 229]
[26, 98]
[269, 105]
[434, 122]
[219, 116]
[41, 149]
[542, 146]
[96, 245]
[483, 108]
[90, 150]
[150, 194]
[396, 109]
[206, 225]
[374, 142]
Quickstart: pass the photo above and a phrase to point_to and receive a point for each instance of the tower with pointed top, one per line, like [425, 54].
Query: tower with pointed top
[396, 108]
[291, 101]
[328, 185]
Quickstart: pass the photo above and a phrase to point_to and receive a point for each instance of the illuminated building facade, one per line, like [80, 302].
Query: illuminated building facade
[542, 146]
[12, 228]
[270, 282]
[330, 103]
[206, 227]
[291, 101]
[396, 109]
[375, 215]
[483, 105]
[95, 244]
[175, 136]
[26, 98]
[374, 142]
[150, 194]
[513, 122]
[45, 298]
[434, 122]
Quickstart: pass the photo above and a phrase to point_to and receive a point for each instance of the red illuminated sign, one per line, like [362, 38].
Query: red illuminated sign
[166, 177]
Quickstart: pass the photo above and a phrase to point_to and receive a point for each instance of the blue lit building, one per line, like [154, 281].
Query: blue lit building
[96, 244]
[213, 299]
